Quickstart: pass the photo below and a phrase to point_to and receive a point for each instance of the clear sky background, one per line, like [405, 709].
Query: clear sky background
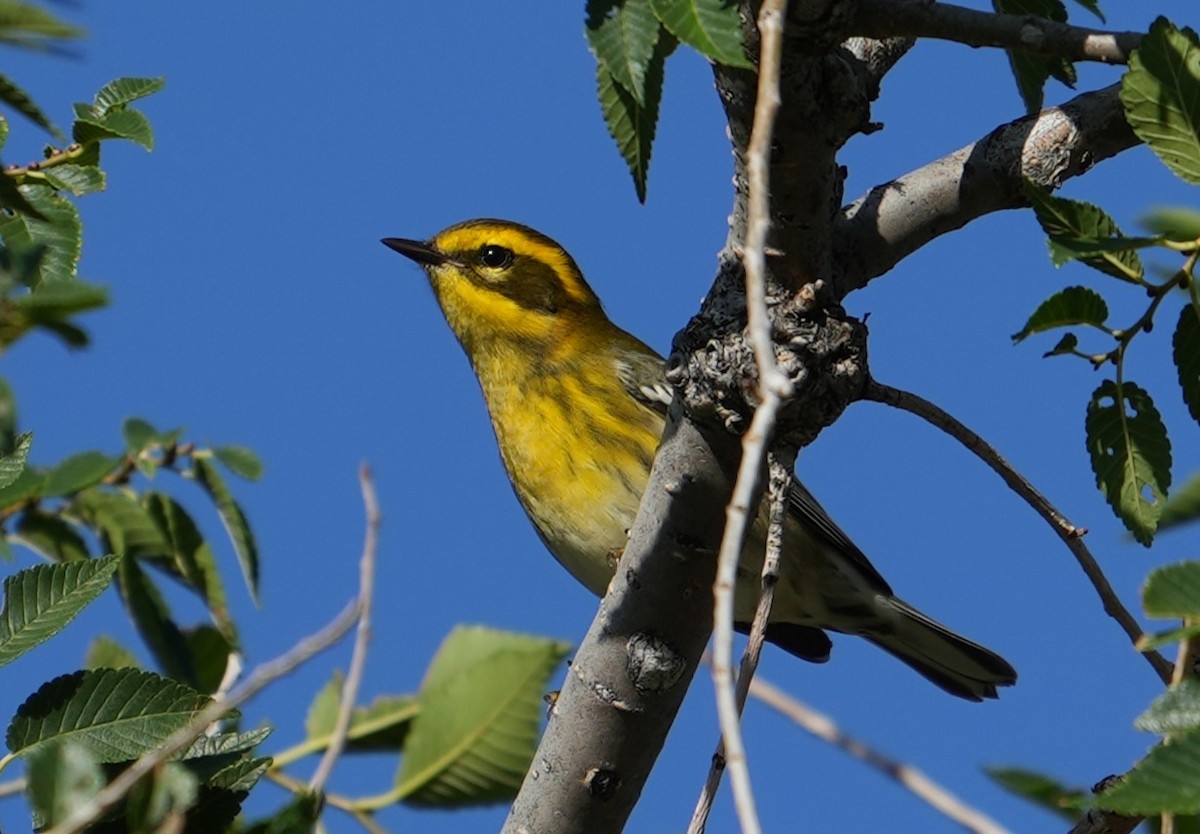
[254, 304]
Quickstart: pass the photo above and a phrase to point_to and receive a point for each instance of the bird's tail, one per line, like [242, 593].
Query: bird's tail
[949, 660]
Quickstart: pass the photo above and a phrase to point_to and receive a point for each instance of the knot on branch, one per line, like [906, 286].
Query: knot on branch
[653, 664]
[821, 350]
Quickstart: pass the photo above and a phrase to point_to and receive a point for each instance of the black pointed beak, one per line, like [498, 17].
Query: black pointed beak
[417, 250]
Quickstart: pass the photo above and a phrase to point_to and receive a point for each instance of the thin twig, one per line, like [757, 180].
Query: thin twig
[262, 677]
[773, 385]
[781, 479]
[342, 803]
[13, 788]
[358, 660]
[910, 777]
[1071, 535]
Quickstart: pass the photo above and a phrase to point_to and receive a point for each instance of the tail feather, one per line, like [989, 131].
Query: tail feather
[949, 660]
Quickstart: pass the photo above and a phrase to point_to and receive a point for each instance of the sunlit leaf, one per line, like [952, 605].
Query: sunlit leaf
[1080, 231]
[1165, 781]
[13, 464]
[240, 461]
[60, 232]
[711, 27]
[79, 472]
[62, 779]
[1183, 505]
[1161, 95]
[1175, 711]
[1174, 223]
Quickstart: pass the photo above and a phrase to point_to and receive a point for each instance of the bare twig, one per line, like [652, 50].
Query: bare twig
[12, 788]
[910, 777]
[342, 803]
[781, 479]
[895, 219]
[773, 386]
[1024, 33]
[1071, 535]
[263, 676]
[358, 660]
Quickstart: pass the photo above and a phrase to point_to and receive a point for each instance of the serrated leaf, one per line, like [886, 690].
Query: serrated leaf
[125, 525]
[121, 91]
[631, 124]
[13, 199]
[1039, 789]
[1173, 591]
[1175, 711]
[40, 601]
[1131, 455]
[1161, 95]
[16, 98]
[622, 34]
[241, 775]
[1031, 71]
[225, 744]
[1080, 231]
[481, 705]
[1176, 223]
[78, 472]
[152, 619]
[240, 461]
[59, 231]
[13, 464]
[62, 779]
[106, 653]
[51, 536]
[1163, 782]
[1183, 505]
[1186, 350]
[235, 523]
[1065, 346]
[116, 124]
[1074, 305]
[711, 27]
[78, 179]
[118, 714]
[193, 558]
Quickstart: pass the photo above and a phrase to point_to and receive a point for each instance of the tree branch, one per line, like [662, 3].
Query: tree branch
[895, 219]
[1026, 33]
[1071, 535]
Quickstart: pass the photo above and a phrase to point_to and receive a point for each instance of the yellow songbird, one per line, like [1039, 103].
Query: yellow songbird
[578, 406]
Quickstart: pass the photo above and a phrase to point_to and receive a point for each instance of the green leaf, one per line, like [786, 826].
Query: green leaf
[125, 525]
[481, 705]
[1074, 305]
[240, 776]
[27, 485]
[1029, 70]
[116, 94]
[138, 435]
[78, 179]
[1173, 591]
[40, 601]
[1183, 505]
[711, 27]
[631, 124]
[30, 26]
[62, 779]
[225, 744]
[1039, 789]
[210, 656]
[19, 100]
[297, 817]
[1186, 345]
[235, 522]
[50, 306]
[106, 653]
[60, 231]
[1084, 232]
[1148, 642]
[1131, 455]
[193, 558]
[169, 790]
[622, 34]
[1065, 347]
[8, 417]
[1163, 782]
[1176, 223]
[382, 725]
[322, 712]
[116, 124]
[240, 461]
[152, 619]
[118, 714]
[1175, 711]
[51, 536]
[79, 472]
[1161, 95]
[13, 464]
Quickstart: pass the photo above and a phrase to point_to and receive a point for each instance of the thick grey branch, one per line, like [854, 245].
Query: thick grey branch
[895, 219]
[1027, 33]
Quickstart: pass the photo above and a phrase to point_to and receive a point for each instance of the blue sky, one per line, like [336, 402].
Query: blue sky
[254, 304]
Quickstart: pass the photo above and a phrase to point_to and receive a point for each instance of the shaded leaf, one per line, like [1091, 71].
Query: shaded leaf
[210, 656]
[59, 231]
[711, 27]
[297, 817]
[1175, 711]
[1065, 346]
[1183, 505]
[1186, 351]
[13, 463]
[78, 472]
[632, 125]
[125, 526]
[481, 705]
[1084, 232]
[224, 744]
[116, 124]
[28, 485]
[1165, 781]
[62, 779]
[106, 653]
[152, 619]
[1161, 95]
[1029, 70]
[622, 34]
[1039, 789]
[117, 93]
[1173, 591]
[118, 714]
[19, 100]
[235, 522]
[1074, 305]
[78, 179]
[51, 536]
[240, 461]
[8, 416]
[1131, 455]
[138, 435]
[40, 601]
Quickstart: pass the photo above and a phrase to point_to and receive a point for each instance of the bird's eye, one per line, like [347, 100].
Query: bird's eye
[496, 257]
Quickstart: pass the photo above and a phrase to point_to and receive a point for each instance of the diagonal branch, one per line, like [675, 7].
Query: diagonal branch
[894, 219]
[1026, 33]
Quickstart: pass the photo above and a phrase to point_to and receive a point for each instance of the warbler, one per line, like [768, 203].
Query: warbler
[578, 407]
